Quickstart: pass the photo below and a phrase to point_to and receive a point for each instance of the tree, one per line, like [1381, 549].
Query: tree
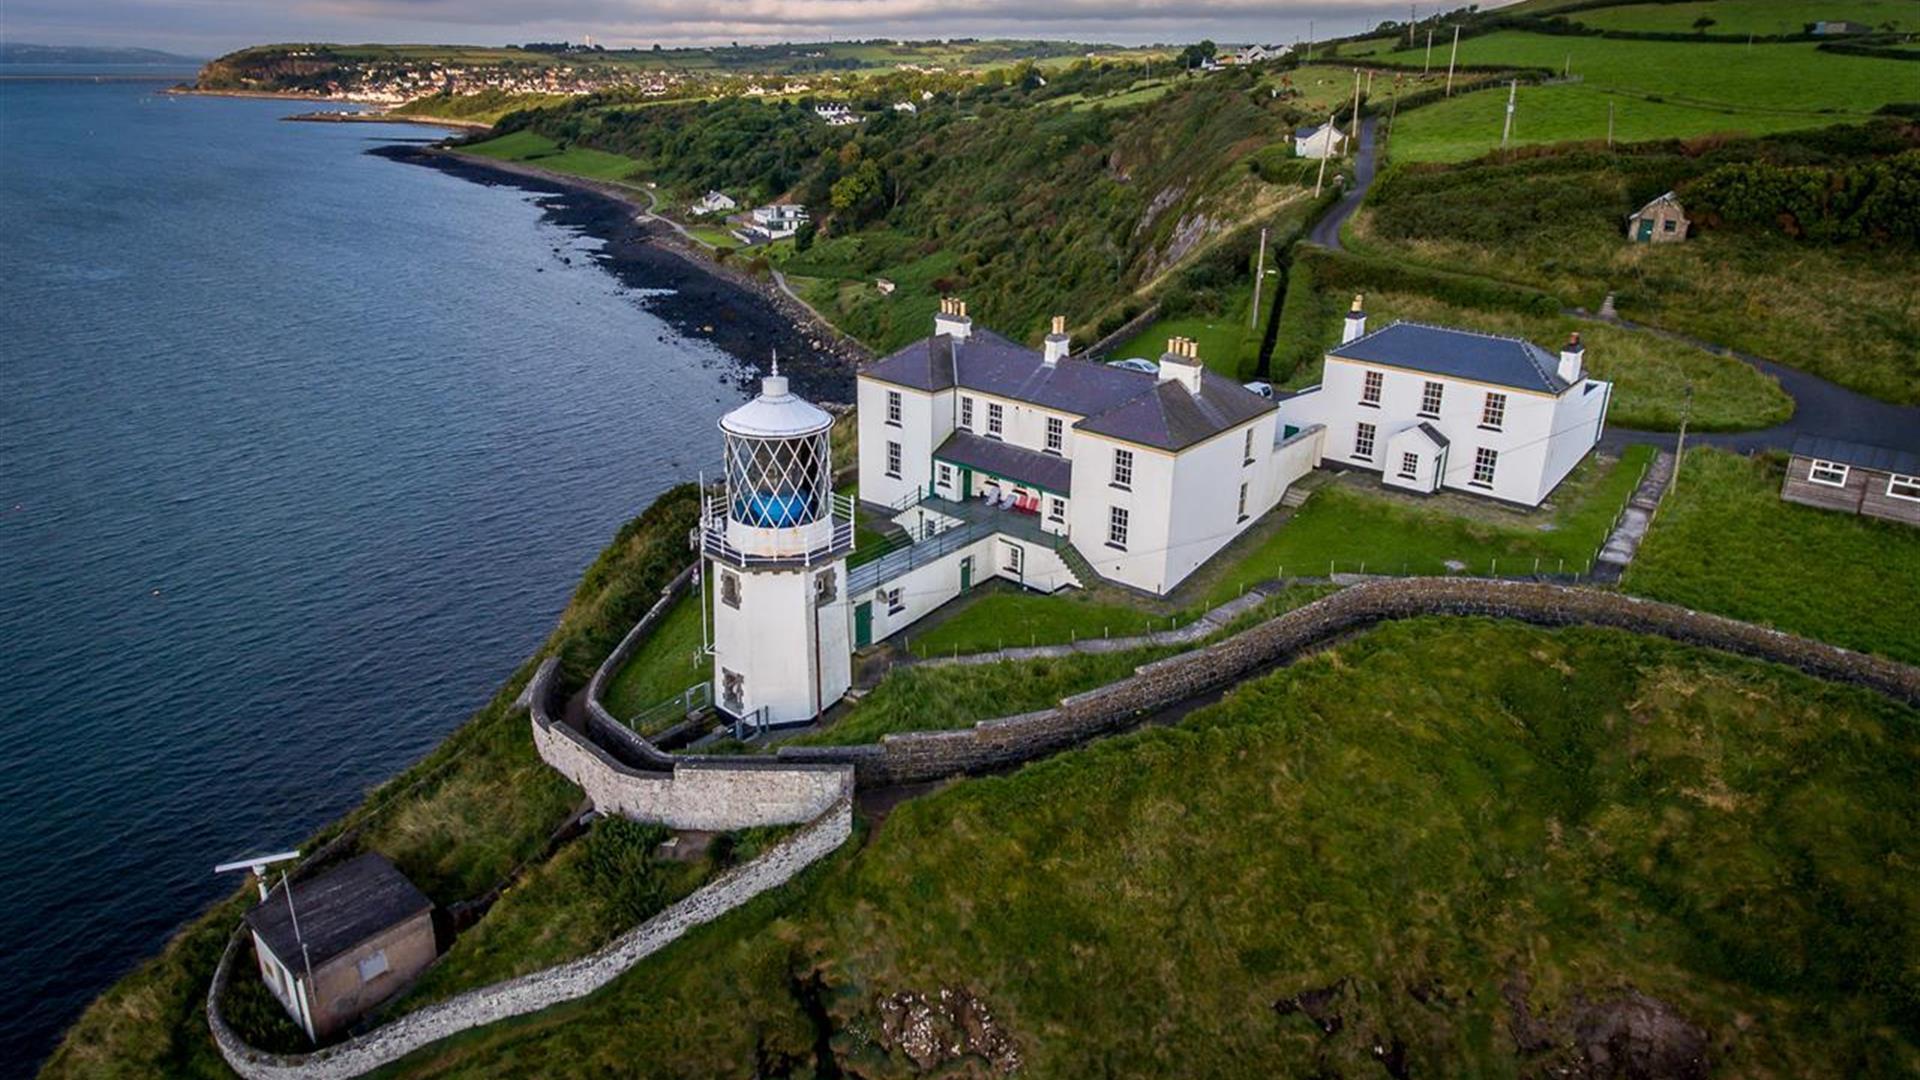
[1198, 53]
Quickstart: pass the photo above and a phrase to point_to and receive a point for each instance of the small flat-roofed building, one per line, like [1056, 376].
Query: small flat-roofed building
[1661, 221]
[1854, 478]
[349, 938]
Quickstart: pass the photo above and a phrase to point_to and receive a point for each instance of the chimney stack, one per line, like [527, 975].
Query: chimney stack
[952, 320]
[1181, 363]
[1356, 322]
[1573, 357]
[1058, 344]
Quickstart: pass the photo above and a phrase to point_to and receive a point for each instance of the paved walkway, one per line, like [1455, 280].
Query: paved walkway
[1634, 520]
[1326, 232]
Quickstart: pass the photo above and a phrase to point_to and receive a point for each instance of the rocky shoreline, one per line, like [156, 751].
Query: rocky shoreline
[750, 319]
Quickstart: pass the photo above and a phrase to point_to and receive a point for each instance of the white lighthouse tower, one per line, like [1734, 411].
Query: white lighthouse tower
[775, 544]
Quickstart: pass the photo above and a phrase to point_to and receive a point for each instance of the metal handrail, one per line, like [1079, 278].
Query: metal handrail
[714, 544]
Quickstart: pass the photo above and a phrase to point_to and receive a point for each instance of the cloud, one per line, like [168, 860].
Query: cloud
[217, 25]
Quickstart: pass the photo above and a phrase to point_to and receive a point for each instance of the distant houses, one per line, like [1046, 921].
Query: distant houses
[714, 202]
[1854, 478]
[775, 221]
[1325, 141]
[836, 114]
[1840, 26]
[1661, 221]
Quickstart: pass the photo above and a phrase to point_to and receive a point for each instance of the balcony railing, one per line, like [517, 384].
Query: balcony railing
[798, 544]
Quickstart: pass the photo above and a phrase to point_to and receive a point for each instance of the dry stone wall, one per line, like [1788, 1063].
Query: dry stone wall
[541, 989]
[994, 744]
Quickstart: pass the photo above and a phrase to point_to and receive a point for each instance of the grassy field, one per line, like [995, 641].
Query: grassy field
[1650, 374]
[457, 823]
[534, 149]
[1009, 618]
[666, 664]
[1229, 340]
[1724, 542]
[1468, 847]
[1750, 16]
[1656, 89]
[1354, 525]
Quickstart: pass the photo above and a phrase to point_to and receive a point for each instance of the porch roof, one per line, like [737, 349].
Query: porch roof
[1048, 472]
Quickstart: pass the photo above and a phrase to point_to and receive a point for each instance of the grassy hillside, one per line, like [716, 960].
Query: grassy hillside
[1845, 310]
[1447, 847]
[1749, 16]
[1657, 89]
[1725, 542]
[532, 149]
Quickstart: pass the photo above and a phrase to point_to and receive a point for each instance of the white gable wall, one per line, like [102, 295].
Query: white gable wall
[1148, 501]
[925, 421]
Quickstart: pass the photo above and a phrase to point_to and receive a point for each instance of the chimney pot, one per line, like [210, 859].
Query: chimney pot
[1356, 324]
[1573, 356]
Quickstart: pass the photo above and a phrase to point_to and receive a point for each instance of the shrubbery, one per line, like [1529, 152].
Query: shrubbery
[1876, 198]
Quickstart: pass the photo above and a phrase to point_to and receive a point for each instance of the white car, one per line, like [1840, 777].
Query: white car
[1264, 389]
[1135, 363]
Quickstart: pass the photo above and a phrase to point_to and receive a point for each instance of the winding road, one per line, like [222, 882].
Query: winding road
[1820, 407]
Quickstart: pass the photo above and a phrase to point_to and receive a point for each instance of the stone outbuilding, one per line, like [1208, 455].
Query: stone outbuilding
[1854, 478]
[345, 941]
[1658, 222]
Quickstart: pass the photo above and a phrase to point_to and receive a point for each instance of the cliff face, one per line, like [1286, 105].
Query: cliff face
[271, 70]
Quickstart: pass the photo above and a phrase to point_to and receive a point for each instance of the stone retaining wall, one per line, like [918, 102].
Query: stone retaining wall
[921, 756]
[1129, 329]
[538, 990]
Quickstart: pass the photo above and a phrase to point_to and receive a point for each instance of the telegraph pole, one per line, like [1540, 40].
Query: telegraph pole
[1309, 41]
[1609, 123]
[1323, 157]
[1680, 446]
[1513, 89]
[1428, 66]
[1259, 279]
[1451, 57]
[1353, 123]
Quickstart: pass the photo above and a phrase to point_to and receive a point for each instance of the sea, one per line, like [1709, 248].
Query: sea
[302, 450]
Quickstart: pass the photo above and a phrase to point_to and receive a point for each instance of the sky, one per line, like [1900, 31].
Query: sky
[204, 28]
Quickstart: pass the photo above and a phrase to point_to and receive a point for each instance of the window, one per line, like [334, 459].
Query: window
[1430, 399]
[893, 460]
[1484, 461]
[1363, 441]
[1246, 449]
[1056, 509]
[826, 588]
[996, 418]
[1667, 225]
[1410, 466]
[893, 407]
[1370, 388]
[730, 589]
[1493, 414]
[733, 691]
[966, 412]
[1015, 558]
[372, 967]
[1242, 513]
[1117, 528]
[896, 601]
[1123, 469]
[946, 474]
[1830, 473]
[1903, 487]
[1056, 434]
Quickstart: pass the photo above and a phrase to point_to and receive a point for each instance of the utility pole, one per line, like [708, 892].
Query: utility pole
[1680, 445]
[1353, 123]
[1428, 66]
[1609, 123]
[1451, 57]
[1513, 89]
[1323, 157]
[1309, 41]
[1413, 16]
[1393, 110]
[1259, 279]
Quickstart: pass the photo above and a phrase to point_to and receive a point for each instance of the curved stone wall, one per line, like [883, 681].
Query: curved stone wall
[921, 756]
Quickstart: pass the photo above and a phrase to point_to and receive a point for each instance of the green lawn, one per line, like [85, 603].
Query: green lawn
[664, 665]
[1008, 618]
[1472, 846]
[1657, 89]
[526, 146]
[1349, 526]
[1650, 373]
[1750, 16]
[1724, 542]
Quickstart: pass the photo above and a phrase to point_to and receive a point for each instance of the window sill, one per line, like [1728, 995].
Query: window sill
[1369, 404]
[893, 423]
[1241, 520]
[1051, 452]
[1116, 547]
[1368, 458]
[1121, 487]
[1246, 463]
[1490, 427]
[1428, 415]
[1480, 485]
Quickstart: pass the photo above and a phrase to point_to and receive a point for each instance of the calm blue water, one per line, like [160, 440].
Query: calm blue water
[301, 451]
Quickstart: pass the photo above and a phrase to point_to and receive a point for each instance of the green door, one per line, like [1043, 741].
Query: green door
[966, 573]
[966, 483]
[863, 625]
[1646, 230]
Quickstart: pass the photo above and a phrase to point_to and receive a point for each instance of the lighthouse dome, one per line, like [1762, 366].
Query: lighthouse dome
[777, 413]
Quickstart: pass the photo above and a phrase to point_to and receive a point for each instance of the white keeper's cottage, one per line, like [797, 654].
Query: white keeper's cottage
[1432, 407]
[1325, 141]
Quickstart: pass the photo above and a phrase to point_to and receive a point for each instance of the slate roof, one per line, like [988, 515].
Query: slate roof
[337, 910]
[1881, 458]
[1433, 435]
[1031, 467]
[1462, 354]
[1128, 405]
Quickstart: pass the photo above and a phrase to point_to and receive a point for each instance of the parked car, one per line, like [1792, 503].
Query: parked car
[1135, 363]
[1264, 389]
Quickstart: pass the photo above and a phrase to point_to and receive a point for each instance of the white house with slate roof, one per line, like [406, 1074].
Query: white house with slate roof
[1325, 141]
[1432, 407]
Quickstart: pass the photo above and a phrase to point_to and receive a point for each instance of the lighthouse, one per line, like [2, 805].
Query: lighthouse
[775, 542]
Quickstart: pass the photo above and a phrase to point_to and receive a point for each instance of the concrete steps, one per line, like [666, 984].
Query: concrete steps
[1621, 544]
[1295, 496]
